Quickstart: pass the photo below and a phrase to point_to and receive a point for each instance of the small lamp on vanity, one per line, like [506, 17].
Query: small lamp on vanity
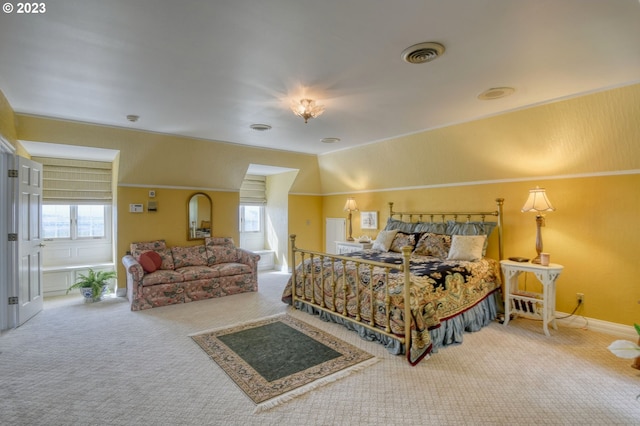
[538, 202]
[350, 206]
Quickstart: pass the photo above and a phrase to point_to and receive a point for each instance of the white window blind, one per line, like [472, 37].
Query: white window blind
[75, 181]
[253, 190]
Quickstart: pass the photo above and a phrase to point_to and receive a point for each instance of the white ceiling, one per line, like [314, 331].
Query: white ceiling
[209, 69]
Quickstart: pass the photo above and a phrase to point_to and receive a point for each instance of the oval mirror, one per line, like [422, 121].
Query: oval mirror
[199, 210]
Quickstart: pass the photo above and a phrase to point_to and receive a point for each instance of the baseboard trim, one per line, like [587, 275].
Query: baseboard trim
[606, 327]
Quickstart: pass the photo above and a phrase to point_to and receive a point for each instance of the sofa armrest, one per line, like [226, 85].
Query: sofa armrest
[248, 257]
[135, 273]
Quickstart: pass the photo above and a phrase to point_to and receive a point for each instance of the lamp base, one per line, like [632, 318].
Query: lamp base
[536, 259]
[350, 239]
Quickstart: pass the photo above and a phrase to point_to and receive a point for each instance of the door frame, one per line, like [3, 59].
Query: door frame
[7, 249]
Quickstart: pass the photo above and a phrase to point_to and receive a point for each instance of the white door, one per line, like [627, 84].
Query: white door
[335, 230]
[29, 239]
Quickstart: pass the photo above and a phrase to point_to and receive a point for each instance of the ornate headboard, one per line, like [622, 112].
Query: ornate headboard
[456, 216]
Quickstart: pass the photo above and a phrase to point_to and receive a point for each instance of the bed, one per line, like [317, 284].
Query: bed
[453, 284]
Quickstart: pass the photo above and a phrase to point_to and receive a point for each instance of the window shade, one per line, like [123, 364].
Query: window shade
[253, 190]
[67, 181]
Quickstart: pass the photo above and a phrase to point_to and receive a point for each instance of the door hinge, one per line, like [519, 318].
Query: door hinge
[13, 173]
[13, 300]
[13, 237]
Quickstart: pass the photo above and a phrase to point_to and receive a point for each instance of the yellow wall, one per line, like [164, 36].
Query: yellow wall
[8, 126]
[593, 236]
[170, 222]
[306, 221]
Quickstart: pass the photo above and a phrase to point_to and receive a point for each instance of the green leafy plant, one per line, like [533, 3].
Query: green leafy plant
[96, 281]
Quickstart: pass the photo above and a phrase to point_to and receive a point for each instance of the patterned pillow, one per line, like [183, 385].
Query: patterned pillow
[466, 247]
[189, 256]
[138, 248]
[167, 259]
[219, 241]
[384, 239]
[436, 245]
[222, 254]
[403, 239]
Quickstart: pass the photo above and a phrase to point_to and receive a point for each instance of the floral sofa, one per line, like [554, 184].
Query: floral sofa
[158, 275]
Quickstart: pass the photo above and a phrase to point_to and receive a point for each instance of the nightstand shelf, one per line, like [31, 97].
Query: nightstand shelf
[343, 247]
[540, 306]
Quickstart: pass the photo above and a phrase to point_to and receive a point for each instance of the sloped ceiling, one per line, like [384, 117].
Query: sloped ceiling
[210, 69]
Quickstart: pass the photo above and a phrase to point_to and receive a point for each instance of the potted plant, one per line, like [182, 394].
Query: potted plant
[93, 285]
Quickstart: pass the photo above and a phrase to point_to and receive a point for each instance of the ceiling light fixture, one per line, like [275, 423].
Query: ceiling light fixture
[260, 127]
[422, 52]
[496, 93]
[307, 109]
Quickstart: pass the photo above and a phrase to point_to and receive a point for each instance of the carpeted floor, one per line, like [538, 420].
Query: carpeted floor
[105, 365]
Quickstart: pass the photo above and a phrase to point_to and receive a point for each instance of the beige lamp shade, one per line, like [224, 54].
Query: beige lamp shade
[537, 201]
[350, 205]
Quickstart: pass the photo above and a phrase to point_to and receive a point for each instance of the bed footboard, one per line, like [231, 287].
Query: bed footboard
[324, 264]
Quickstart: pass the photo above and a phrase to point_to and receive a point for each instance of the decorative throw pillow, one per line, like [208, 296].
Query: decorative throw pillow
[222, 254]
[436, 245]
[403, 239]
[150, 261]
[167, 259]
[189, 256]
[138, 248]
[219, 241]
[384, 239]
[466, 247]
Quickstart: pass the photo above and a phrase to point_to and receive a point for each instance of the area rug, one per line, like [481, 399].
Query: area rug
[275, 359]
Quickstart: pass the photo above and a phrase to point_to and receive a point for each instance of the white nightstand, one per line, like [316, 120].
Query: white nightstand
[529, 304]
[343, 247]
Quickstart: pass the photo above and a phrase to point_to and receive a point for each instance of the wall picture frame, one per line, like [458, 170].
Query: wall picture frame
[369, 220]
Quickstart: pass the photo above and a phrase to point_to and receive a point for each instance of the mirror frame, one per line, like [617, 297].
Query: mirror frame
[192, 228]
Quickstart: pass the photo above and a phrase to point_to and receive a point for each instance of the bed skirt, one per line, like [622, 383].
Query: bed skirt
[449, 332]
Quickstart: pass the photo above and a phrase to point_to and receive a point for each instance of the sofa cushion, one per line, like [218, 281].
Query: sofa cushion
[221, 254]
[193, 273]
[150, 261]
[227, 269]
[219, 241]
[167, 259]
[138, 248]
[162, 277]
[189, 256]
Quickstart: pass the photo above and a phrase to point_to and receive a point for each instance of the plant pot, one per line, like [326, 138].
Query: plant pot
[87, 293]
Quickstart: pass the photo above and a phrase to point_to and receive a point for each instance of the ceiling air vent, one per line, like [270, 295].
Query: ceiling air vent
[496, 93]
[260, 127]
[422, 52]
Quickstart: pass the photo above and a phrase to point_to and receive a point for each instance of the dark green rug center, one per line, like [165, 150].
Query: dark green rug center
[276, 350]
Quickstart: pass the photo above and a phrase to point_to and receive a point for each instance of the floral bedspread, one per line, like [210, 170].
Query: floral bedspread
[440, 290]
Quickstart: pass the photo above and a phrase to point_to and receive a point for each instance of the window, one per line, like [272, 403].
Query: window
[75, 221]
[251, 218]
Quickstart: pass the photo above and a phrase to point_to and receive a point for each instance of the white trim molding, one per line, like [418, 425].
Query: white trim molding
[600, 326]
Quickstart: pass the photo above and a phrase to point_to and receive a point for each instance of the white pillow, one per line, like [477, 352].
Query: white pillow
[384, 239]
[466, 247]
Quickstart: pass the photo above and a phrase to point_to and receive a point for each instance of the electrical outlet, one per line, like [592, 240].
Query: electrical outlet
[580, 297]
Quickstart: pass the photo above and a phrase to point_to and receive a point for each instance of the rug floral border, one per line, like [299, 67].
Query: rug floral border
[253, 384]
